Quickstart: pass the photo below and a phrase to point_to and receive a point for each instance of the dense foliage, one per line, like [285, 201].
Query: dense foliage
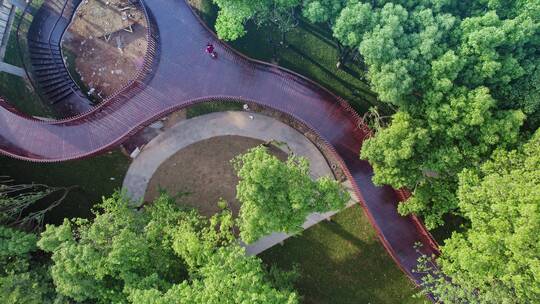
[233, 14]
[465, 77]
[497, 259]
[460, 70]
[23, 279]
[23, 268]
[161, 254]
[277, 196]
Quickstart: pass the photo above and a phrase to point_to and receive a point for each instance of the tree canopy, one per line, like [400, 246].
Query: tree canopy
[21, 268]
[465, 81]
[464, 77]
[277, 196]
[496, 259]
[233, 14]
[22, 278]
[160, 254]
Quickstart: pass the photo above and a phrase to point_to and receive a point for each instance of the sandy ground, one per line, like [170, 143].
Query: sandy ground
[203, 170]
[108, 41]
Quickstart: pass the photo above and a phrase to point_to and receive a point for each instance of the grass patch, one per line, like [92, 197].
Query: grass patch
[206, 9]
[19, 94]
[343, 262]
[211, 107]
[92, 176]
[310, 52]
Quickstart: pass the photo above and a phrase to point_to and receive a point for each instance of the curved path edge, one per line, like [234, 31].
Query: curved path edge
[190, 131]
[185, 75]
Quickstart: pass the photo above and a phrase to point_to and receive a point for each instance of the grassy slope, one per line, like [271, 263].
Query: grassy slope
[93, 176]
[211, 107]
[342, 261]
[311, 53]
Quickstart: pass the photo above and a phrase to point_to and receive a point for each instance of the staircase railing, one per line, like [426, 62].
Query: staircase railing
[123, 94]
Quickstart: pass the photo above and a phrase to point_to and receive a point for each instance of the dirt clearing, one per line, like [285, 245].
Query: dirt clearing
[204, 173]
[105, 45]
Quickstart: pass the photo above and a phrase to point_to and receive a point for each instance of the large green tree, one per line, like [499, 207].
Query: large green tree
[277, 196]
[426, 154]
[465, 81]
[233, 14]
[160, 254]
[497, 259]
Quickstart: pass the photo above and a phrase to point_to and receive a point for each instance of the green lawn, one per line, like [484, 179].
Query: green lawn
[17, 92]
[310, 53]
[343, 262]
[210, 107]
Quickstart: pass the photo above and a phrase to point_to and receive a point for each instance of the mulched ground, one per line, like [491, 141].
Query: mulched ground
[204, 173]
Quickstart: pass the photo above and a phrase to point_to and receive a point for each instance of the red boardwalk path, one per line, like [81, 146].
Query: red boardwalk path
[183, 75]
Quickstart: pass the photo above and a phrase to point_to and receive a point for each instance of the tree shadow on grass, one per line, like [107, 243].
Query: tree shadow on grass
[353, 73]
[316, 31]
[337, 266]
[328, 72]
[206, 10]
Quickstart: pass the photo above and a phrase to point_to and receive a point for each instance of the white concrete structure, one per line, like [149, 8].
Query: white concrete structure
[203, 127]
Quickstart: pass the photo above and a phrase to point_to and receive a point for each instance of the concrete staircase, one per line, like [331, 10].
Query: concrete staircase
[7, 14]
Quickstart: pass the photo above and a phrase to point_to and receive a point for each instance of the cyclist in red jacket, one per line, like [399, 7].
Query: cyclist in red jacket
[210, 50]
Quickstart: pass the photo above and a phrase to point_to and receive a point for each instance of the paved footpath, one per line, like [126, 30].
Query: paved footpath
[245, 124]
[203, 127]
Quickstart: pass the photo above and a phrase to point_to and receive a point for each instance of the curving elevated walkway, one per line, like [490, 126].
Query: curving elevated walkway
[185, 75]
